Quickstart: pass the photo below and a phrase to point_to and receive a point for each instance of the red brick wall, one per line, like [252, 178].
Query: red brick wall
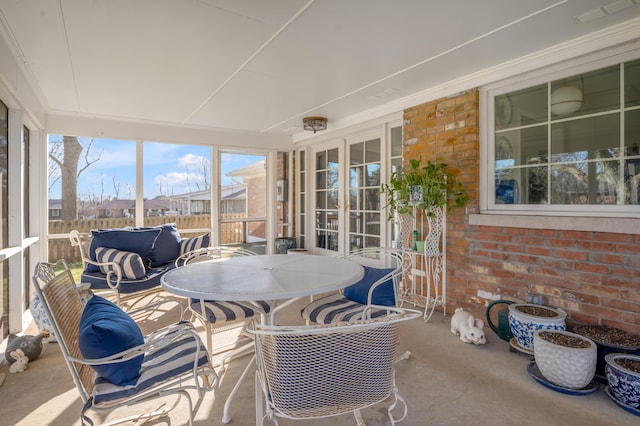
[593, 276]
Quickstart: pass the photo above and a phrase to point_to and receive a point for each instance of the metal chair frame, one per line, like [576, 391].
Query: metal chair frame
[62, 302]
[319, 371]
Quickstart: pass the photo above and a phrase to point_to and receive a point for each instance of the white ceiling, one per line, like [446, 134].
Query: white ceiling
[261, 66]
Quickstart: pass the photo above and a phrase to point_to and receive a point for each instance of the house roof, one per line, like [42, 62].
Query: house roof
[252, 170]
[158, 203]
[233, 191]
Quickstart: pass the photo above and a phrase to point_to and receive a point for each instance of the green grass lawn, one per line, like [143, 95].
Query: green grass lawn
[76, 270]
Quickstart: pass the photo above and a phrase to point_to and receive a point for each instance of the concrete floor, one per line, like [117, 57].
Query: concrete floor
[445, 382]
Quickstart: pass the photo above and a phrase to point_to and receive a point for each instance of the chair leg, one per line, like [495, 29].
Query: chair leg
[359, 420]
[209, 336]
[226, 417]
[161, 412]
[397, 398]
[259, 401]
[405, 355]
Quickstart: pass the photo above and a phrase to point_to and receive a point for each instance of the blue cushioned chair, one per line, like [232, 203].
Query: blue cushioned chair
[126, 264]
[174, 359]
[379, 287]
[221, 313]
[114, 284]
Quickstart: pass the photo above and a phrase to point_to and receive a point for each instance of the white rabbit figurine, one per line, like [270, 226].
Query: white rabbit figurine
[469, 329]
[20, 363]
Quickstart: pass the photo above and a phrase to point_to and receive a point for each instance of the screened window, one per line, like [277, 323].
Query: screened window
[571, 144]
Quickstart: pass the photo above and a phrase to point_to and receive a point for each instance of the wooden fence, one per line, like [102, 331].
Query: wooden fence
[60, 248]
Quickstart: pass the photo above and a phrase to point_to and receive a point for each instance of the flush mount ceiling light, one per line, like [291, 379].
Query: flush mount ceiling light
[314, 123]
[567, 99]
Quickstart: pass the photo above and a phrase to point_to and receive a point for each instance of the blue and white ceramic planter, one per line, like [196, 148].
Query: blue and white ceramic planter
[523, 325]
[623, 383]
[415, 194]
[605, 348]
[41, 319]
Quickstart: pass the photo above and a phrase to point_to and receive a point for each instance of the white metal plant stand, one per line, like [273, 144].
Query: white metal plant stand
[427, 268]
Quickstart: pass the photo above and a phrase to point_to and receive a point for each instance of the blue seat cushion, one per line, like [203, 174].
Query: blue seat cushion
[162, 363]
[221, 311]
[382, 295]
[336, 308]
[105, 330]
[127, 239]
[151, 279]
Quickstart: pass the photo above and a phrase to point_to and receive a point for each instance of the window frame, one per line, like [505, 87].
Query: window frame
[521, 213]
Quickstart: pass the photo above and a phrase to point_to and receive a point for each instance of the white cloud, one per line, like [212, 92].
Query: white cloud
[193, 162]
[180, 182]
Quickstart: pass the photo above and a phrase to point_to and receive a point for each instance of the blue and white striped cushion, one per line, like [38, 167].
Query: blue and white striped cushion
[162, 363]
[130, 263]
[220, 312]
[336, 308]
[194, 243]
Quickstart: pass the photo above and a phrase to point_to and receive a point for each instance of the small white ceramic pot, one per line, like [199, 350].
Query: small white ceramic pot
[565, 366]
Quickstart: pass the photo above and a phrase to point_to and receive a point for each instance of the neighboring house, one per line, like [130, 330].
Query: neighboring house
[255, 177]
[127, 208]
[249, 184]
[197, 202]
[85, 211]
[233, 200]
[116, 208]
[55, 209]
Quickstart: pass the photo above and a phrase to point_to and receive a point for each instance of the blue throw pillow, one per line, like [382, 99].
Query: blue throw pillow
[167, 245]
[130, 263]
[106, 330]
[134, 240]
[383, 294]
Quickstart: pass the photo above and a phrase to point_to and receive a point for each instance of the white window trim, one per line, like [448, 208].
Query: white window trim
[622, 219]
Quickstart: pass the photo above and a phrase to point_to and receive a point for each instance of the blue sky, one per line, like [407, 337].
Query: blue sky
[168, 169]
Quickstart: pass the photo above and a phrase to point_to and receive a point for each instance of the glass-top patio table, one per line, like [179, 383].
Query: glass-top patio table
[278, 278]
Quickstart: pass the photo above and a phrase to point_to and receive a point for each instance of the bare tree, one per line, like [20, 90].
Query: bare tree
[204, 169]
[116, 187]
[130, 189]
[65, 156]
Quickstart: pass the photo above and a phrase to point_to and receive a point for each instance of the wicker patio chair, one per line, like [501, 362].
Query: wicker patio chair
[174, 362]
[216, 314]
[380, 285]
[317, 371]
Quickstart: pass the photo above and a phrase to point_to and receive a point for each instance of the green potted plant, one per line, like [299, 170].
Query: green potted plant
[423, 187]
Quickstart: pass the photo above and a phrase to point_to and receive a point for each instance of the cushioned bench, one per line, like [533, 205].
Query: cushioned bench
[131, 260]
